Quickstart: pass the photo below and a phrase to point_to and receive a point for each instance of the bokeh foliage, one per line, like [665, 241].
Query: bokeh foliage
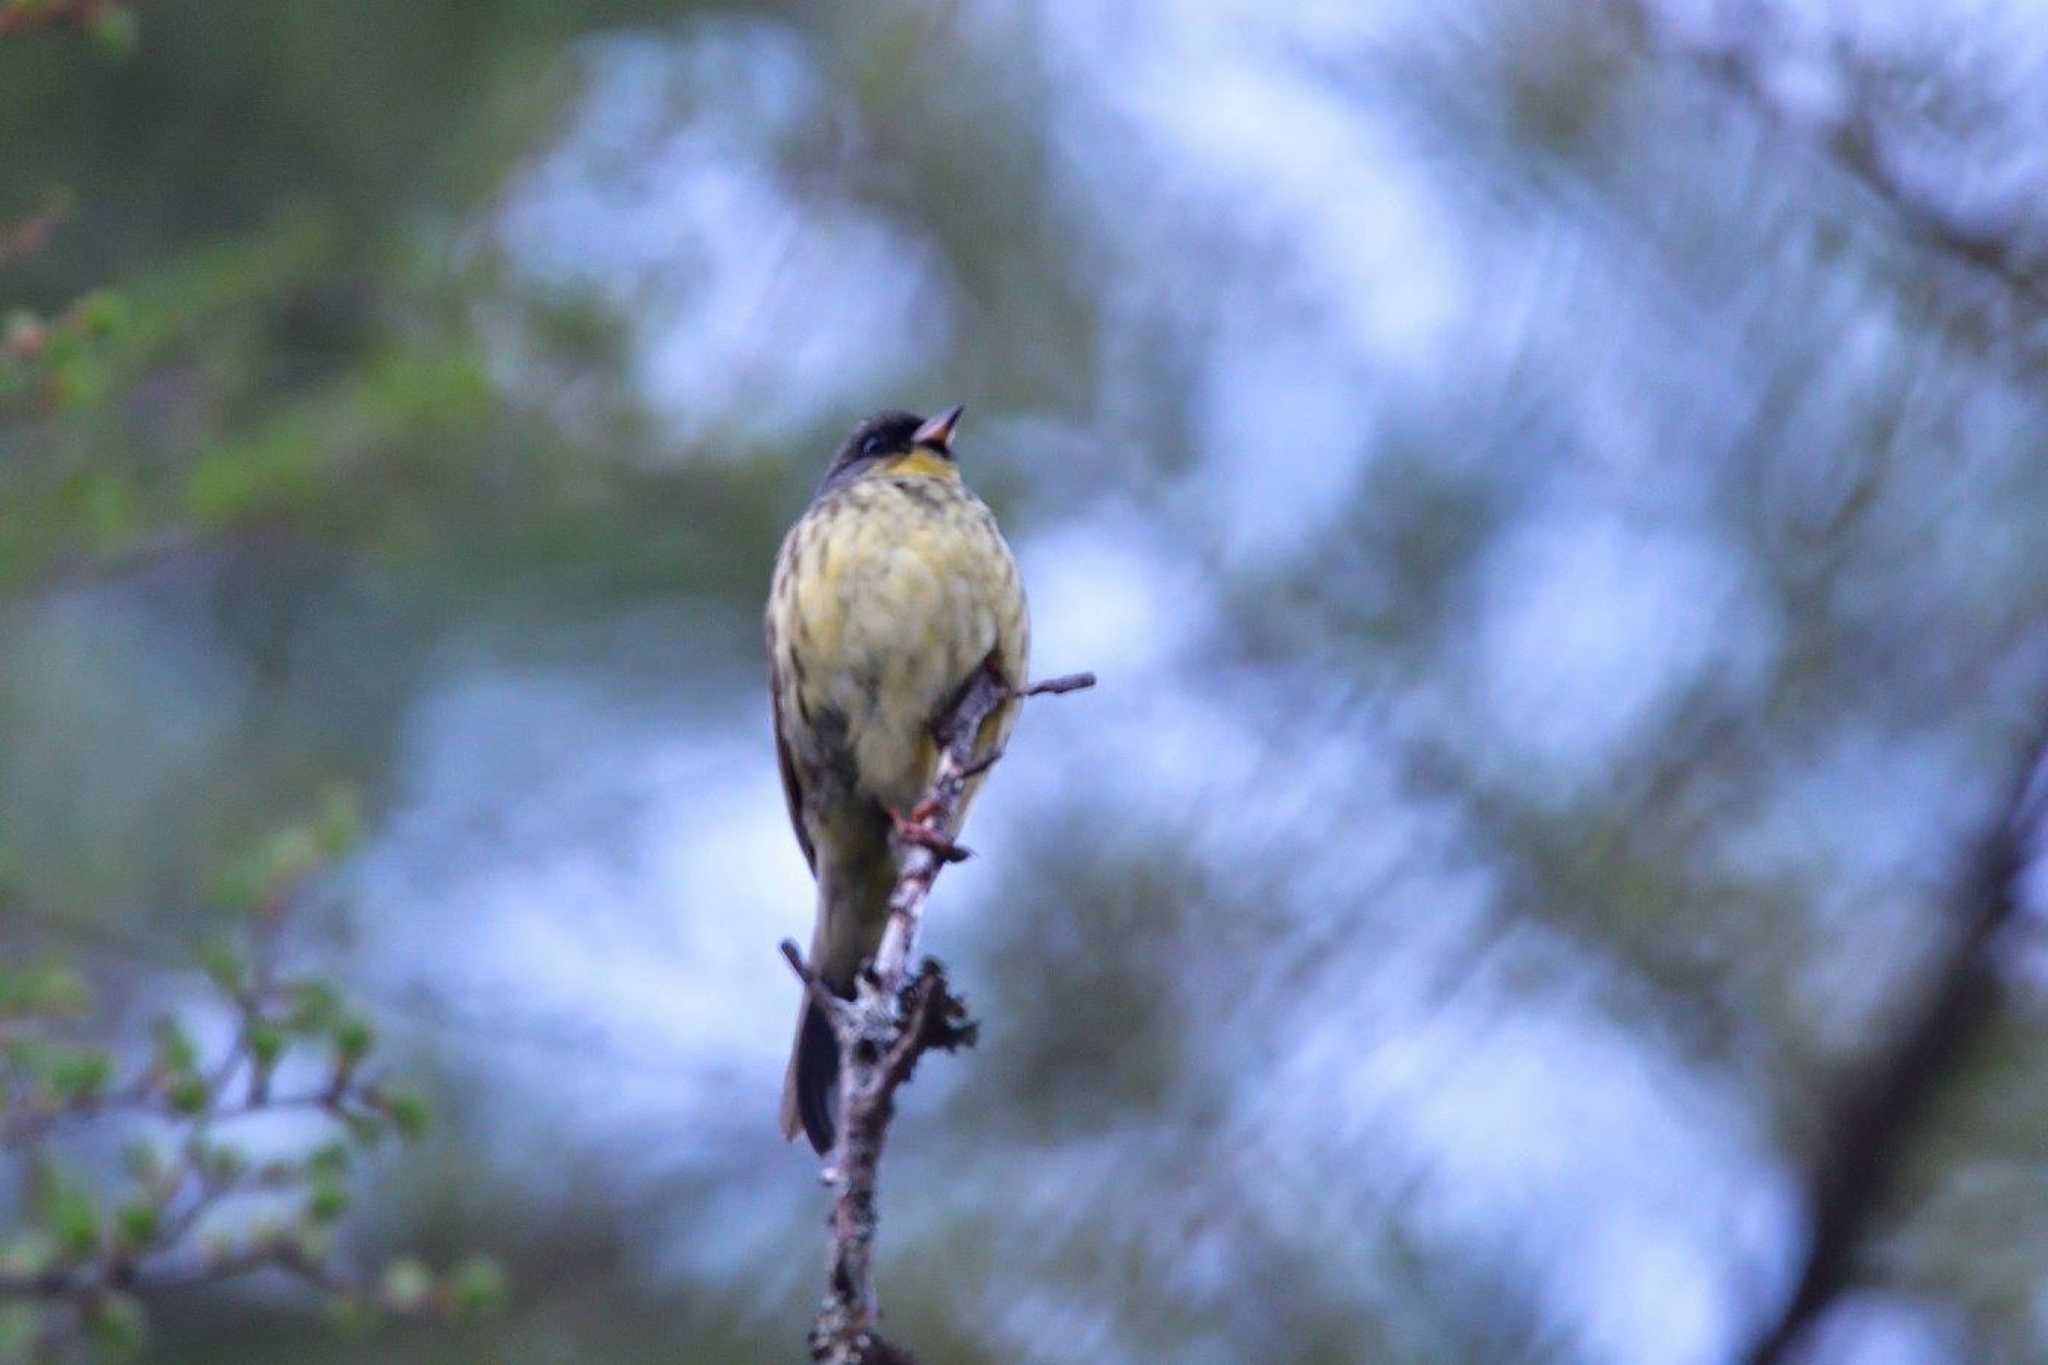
[1561, 549]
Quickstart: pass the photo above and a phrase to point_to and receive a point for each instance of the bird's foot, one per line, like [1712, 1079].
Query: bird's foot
[913, 829]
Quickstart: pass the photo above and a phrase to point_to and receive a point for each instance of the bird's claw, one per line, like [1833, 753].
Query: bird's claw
[914, 829]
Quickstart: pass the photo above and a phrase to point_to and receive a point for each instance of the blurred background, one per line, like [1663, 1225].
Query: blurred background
[1554, 493]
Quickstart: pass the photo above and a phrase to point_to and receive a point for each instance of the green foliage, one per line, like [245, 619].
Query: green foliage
[67, 1210]
[117, 1326]
[478, 1285]
[114, 30]
[77, 1076]
[138, 1224]
[52, 988]
[254, 371]
[409, 1113]
[256, 882]
[81, 1225]
[353, 1038]
[175, 1055]
[266, 1043]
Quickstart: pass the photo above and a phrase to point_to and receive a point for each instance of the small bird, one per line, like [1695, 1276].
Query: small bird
[889, 592]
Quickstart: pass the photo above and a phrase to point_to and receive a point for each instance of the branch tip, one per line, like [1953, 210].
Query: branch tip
[1052, 687]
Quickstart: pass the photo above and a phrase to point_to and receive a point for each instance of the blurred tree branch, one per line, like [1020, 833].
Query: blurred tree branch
[1870, 1131]
[890, 1023]
[1994, 241]
[77, 1271]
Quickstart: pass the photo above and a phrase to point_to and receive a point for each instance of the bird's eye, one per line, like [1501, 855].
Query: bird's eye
[871, 446]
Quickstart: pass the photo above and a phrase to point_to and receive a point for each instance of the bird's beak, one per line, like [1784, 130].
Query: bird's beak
[938, 431]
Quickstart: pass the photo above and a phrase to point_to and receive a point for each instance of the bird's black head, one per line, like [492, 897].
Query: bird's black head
[890, 436]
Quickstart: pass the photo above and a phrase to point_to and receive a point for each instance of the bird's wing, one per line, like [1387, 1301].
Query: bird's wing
[791, 792]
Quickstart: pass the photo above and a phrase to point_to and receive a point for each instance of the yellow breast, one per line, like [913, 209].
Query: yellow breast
[896, 587]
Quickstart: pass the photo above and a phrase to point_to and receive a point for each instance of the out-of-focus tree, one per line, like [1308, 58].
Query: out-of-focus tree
[1553, 493]
[218, 1176]
[202, 1193]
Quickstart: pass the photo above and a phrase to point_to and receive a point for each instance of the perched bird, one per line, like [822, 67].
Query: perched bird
[890, 590]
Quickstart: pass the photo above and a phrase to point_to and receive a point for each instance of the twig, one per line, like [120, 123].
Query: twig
[1869, 1134]
[85, 1283]
[894, 1018]
[1066, 682]
[92, 1267]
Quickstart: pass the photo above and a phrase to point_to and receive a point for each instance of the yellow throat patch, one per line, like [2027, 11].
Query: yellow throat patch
[922, 462]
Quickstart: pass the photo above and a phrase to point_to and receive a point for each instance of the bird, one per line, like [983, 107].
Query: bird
[890, 590]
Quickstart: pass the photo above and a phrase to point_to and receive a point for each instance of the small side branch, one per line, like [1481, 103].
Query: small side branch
[895, 1017]
[1869, 1134]
[1052, 687]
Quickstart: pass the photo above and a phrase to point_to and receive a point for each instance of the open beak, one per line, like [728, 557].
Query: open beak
[938, 431]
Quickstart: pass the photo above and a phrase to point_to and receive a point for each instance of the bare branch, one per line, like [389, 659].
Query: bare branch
[1870, 1132]
[894, 1018]
[1066, 682]
[81, 1284]
[814, 986]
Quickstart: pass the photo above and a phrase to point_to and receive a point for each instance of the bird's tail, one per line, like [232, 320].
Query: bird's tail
[809, 1090]
[853, 900]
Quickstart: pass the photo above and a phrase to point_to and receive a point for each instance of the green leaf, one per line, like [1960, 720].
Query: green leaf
[353, 1038]
[252, 881]
[187, 1095]
[225, 966]
[366, 1129]
[49, 988]
[327, 1201]
[118, 1327]
[79, 1075]
[114, 31]
[266, 1043]
[409, 1113]
[329, 1161]
[175, 1055]
[101, 313]
[137, 1223]
[339, 823]
[68, 1212]
[315, 1006]
[477, 1286]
